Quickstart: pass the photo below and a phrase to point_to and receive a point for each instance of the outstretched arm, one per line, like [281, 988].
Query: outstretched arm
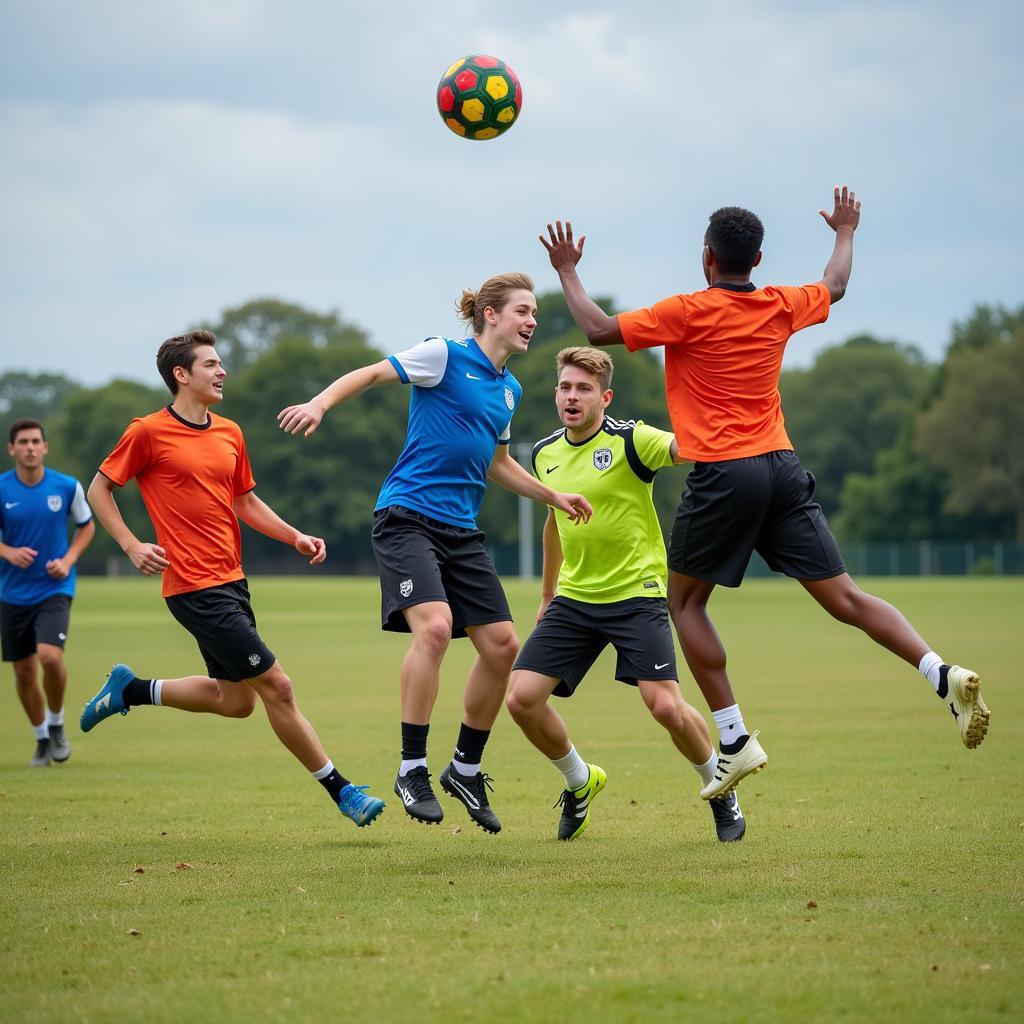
[506, 471]
[843, 221]
[260, 516]
[592, 320]
[307, 416]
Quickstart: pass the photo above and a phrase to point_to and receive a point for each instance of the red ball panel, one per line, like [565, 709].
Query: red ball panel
[446, 99]
[465, 80]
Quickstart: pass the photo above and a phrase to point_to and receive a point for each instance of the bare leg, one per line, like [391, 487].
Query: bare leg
[886, 625]
[497, 645]
[528, 705]
[275, 690]
[703, 650]
[685, 725]
[27, 686]
[204, 695]
[431, 625]
[55, 674]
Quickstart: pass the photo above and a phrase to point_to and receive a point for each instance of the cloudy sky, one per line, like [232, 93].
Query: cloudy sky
[164, 160]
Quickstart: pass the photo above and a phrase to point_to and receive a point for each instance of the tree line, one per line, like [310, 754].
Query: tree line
[902, 450]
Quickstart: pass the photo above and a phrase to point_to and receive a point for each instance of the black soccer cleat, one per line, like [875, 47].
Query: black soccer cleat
[729, 821]
[418, 796]
[471, 790]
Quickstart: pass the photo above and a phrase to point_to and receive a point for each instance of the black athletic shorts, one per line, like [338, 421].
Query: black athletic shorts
[222, 622]
[567, 641]
[765, 504]
[24, 626]
[421, 559]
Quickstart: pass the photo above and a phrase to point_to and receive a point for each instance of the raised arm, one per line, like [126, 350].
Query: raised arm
[506, 471]
[843, 221]
[592, 320]
[256, 513]
[308, 415]
[149, 559]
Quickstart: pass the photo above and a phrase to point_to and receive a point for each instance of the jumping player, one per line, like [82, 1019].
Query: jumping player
[37, 581]
[437, 581]
[196, 482]
[747, 490]
[605, 584]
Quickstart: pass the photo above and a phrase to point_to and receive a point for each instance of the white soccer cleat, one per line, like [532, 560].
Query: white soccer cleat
[733, 768]
[966, 705]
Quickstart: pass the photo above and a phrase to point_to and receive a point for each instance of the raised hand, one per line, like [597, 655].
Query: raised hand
[562, 251]
[846, 212]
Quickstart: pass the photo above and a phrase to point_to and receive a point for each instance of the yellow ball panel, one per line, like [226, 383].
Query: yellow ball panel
[486, 133]
[506, 116]
[497, 87]
[455, 67]
[473, 110]
[455, 126]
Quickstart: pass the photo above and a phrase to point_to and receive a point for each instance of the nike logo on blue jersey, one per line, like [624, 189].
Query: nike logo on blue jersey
[11, 504]
[471, 377]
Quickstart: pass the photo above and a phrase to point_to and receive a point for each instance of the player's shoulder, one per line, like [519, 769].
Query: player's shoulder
[223, 423]
[7, 475]
[60, 479]
[619, 428]
[545, 442]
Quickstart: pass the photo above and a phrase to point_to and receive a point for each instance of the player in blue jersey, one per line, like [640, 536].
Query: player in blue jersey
[437, 581]
[37, 581]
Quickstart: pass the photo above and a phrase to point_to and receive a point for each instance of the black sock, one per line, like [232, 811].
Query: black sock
[334, 784]
[470, 748]
[943, 690]
[733, 748]
[138, 691]
[414, 741]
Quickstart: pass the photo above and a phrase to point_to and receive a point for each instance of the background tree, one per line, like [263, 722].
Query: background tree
[38, 396]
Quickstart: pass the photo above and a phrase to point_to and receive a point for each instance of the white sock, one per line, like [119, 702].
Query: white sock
[465, 769]
[324, 772]
[574, 769]
[156, 688]
[929, 668]
[706, 771]
[407, 766]
[42, 730]
[54, 717]
[730, 724]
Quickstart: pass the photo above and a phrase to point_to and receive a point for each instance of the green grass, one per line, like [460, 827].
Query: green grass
[910, 845]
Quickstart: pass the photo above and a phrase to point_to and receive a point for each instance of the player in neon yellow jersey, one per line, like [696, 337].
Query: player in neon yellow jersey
[605, 583]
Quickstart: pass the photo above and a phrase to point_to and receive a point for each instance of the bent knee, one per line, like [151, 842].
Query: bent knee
[434, 635]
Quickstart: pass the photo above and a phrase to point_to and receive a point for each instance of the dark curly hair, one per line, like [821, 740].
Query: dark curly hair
[734, 235]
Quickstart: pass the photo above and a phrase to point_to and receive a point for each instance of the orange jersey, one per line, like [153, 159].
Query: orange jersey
[189, 477]
[723, 357]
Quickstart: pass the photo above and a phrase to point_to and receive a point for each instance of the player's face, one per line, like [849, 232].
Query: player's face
[205, 381]
[516, 321]
[580, 401]
[29, 449]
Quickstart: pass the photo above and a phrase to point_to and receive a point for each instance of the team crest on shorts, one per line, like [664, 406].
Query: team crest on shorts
[54, 502]
[603, 458]
[254, 660]
[510, 399]
[405, 588]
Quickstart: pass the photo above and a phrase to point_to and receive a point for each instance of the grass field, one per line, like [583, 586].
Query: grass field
[880, 879]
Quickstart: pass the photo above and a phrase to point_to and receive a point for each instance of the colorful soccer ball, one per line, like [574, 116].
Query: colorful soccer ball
[479, 97]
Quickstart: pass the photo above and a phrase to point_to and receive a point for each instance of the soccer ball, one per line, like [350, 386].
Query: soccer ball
[479, 97]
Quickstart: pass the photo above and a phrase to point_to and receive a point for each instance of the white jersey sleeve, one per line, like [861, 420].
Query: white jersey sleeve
[506, 434]
[423, 364]
[80, 510]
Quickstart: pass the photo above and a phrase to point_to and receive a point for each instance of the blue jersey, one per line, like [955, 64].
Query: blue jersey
[37, 517]
[459, 411]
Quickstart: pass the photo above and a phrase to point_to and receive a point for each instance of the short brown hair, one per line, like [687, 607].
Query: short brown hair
[590, 360]
[26, 424]
[493, 292]
[180, 351]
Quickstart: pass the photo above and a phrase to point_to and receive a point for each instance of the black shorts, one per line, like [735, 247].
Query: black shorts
[765, 504]
[421, 559]
[567, 641]
[24, 626]
[223, 624]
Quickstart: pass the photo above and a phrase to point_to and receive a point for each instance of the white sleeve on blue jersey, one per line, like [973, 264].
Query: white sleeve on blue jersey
[80, 511]
[506, 434]
[425, 363]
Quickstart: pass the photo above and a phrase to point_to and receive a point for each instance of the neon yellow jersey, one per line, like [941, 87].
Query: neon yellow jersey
[620, 553]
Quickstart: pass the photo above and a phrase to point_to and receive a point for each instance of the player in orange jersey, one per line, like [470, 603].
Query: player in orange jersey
[747, 490]
[193, 471]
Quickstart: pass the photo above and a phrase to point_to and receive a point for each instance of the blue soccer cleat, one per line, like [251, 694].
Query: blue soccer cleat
[110, 700]
[355, 804]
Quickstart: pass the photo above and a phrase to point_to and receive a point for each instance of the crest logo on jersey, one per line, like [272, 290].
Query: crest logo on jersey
[405, 588]
[510, 399]
[603, 458]
[254, 660]
[54, 502]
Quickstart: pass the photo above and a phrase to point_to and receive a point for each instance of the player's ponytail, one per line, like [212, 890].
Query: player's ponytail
[493, 292]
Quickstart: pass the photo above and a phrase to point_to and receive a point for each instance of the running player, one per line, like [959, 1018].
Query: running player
[37, 581]
[437, 580]
[605, 584]
[747, 490]
[193, 472]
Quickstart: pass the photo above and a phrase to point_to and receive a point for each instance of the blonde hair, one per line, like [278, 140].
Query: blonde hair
[590, 360]
[493, 292]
